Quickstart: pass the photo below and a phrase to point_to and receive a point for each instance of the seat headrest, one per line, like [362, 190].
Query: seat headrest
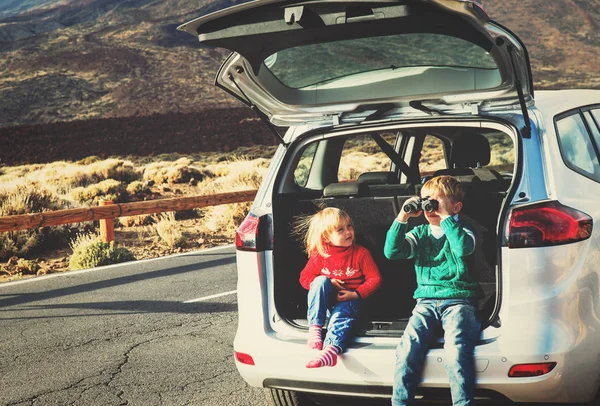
[344, 189]
[470, 150]
[378, 178]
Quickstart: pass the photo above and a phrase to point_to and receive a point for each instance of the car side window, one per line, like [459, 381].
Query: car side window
[576, 146]
[596, 114]
[432, 156]
[362, 154]
[303, 169]
[593, 120]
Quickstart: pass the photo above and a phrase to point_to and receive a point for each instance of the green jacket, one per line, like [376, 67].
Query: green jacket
[440, 263]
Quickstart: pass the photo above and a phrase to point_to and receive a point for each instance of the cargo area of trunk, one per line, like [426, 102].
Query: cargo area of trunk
[373, 210]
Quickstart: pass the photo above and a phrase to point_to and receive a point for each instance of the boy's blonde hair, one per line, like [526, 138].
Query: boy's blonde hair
[448, 185]
[320, 227]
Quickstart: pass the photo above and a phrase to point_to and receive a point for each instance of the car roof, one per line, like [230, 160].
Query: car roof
[553, 102]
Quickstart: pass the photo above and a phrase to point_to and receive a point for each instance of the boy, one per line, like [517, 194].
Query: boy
[446, 291]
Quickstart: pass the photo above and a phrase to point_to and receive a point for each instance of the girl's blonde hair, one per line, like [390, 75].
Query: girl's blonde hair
[320, 227]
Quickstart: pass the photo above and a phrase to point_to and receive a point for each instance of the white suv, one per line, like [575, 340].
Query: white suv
[369, 100]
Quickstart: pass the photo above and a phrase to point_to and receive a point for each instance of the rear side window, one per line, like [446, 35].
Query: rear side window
[593, 120]
[576, 146]
[303, 169]
[596, 114]
[362, 154]
[432, 156]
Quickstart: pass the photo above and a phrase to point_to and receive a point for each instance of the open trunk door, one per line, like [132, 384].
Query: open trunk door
[300, 62]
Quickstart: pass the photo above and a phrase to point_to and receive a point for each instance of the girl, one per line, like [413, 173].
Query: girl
[338, 275]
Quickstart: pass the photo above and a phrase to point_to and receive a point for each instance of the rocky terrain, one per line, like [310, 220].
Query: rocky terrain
[68, 60]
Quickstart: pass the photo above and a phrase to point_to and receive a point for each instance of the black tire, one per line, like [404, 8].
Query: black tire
[280, 397]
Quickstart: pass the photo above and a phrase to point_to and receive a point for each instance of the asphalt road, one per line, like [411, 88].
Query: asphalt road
[156, 332]
[124, 334]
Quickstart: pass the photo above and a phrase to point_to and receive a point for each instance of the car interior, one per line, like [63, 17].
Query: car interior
[373, 200]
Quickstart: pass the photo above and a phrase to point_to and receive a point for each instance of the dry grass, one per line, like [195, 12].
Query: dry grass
[59, 185]
[168, 230]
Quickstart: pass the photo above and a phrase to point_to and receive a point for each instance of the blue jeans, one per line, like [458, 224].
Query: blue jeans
[458, 319]
[342, 315]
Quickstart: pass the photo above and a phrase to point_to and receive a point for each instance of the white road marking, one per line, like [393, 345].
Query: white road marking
[231, 292]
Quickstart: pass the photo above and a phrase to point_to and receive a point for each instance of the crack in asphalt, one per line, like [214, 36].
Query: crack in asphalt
[119, 368]
[34, 398]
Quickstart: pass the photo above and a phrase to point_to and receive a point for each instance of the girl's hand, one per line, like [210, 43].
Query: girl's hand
[338, 284]
[345, 295]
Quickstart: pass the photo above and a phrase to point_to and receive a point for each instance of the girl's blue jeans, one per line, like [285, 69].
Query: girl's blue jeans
[342, 315]
[458, 319]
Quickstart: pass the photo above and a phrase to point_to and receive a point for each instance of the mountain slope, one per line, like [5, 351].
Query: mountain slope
[90, 59]
[105, 58]
[13, 7]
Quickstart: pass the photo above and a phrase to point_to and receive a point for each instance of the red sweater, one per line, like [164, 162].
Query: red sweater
[354, 265]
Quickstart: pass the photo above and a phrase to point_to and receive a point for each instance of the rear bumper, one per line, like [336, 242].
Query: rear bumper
[367, 371]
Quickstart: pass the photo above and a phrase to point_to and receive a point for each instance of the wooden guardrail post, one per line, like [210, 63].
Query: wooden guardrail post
[107, 225]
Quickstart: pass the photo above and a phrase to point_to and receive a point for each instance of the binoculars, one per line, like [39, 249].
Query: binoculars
[425, 204]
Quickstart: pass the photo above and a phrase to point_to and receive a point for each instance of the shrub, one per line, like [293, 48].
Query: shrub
[137, 188]
[90, 252]
[25, 199]
[89, 160]
[32, 198]
[117, 169]
[139, 220]
[180, 171]
[18, 243]
[25, 266]
[109, 189]
[224, 219]
[168, 230]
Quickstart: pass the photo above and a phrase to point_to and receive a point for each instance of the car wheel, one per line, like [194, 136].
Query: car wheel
[280, 397]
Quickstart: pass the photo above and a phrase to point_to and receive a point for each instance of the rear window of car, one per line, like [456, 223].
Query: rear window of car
[390, 56]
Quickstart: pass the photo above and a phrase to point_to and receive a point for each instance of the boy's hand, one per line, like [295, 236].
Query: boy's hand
[445, 207]
[403, 216]
[345, 295]
[338, 284]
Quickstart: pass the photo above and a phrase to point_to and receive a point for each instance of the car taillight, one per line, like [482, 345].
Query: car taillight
[527, 370]
[254, 234]
[547, 223]
[244, 358]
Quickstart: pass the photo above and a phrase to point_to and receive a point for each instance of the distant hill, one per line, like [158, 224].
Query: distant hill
[83, 59]
[13, 7]
[562, 36]
[69, 60]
